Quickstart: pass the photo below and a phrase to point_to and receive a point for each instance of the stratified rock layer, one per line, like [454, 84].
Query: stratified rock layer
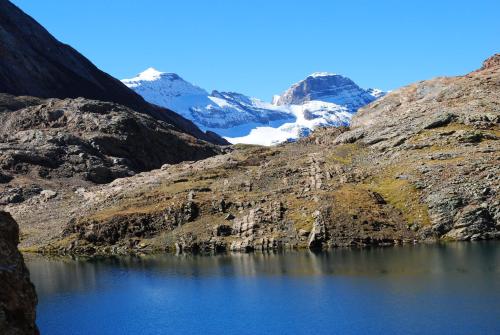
[17, 294]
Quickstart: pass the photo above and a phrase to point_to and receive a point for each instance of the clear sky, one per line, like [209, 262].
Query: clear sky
[260, 47]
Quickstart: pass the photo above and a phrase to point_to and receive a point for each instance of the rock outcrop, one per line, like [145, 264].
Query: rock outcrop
[17, 294]
[492, 62]
[452, 124]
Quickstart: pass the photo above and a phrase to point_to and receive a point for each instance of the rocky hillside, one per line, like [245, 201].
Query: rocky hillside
[34, 63]
[50, 143]
[67, 124]
[420, 164]
[17, 294]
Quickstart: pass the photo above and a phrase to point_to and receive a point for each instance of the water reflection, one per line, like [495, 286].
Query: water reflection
[63, 275]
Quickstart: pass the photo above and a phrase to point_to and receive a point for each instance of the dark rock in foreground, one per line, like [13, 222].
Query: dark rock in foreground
[17, 294]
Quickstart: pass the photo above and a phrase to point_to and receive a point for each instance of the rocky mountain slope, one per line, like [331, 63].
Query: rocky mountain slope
[420, 164]
[322, 99]
[17, 294]
[328, 87]
[34, 63]
[49, 143]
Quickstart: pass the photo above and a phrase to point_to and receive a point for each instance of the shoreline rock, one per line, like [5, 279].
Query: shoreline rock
[17, 294]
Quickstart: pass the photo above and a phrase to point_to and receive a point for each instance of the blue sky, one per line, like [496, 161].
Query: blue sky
[261, 47]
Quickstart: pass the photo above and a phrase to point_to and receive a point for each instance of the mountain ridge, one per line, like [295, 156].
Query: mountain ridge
[35, 63]
[242, 119]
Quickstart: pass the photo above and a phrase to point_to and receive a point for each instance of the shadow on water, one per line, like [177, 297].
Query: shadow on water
[65, 275]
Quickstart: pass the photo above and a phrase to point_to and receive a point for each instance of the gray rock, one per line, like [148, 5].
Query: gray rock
[439, 121]
[48, 194]
[318, 235]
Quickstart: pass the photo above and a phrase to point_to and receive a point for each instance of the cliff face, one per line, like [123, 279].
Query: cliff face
[17, 294]
[492, 62]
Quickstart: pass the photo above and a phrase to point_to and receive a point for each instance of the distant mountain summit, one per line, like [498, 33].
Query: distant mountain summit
[327, 87]
[226, 113]
[322, 99]
[168, 85]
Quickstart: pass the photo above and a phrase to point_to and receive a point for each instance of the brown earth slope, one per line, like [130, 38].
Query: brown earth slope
[421, 164]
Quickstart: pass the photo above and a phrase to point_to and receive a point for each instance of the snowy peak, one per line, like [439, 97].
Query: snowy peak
[218, 111]
[376, 93]
[322, 74]
[149, 74]
[327, 87]
[161, 88]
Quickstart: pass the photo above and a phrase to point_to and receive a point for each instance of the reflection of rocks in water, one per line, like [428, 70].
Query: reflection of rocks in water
[66, 275]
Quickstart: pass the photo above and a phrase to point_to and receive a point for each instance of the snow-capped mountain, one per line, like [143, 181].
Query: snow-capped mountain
[321, 99]
[327, 87]
[376, 93]
[227, 113]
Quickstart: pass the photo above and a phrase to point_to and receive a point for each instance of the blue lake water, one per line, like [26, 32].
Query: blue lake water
[426, 289]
